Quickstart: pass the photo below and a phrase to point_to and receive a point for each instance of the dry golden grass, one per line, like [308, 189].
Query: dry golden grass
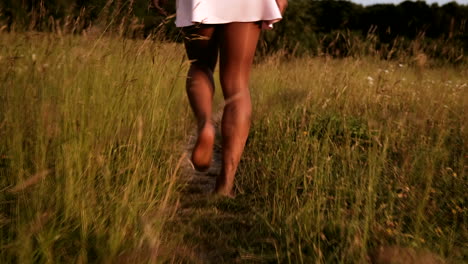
[345, 156]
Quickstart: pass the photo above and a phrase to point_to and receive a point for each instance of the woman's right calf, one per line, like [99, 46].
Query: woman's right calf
[237, 48]
[235, 130]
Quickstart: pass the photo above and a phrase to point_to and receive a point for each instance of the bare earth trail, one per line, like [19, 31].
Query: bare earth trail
[224, 230]
[206, 222]
[201, 184]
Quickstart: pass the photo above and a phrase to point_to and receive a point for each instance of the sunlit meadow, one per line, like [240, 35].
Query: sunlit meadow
[345, 157]
[90, 137]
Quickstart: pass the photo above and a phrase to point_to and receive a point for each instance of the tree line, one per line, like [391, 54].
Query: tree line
[338, 28]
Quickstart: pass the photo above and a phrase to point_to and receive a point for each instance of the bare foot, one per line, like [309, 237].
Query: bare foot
[224, 188]
[203, 149]
[223, 193]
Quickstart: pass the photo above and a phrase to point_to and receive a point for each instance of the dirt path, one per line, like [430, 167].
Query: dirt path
[196, 209]
[201, 183]
[215, 229]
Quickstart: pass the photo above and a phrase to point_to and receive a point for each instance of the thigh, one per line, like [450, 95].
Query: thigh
[201, 44]
[238, 42]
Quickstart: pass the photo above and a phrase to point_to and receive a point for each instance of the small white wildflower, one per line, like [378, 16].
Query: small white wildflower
[370, 80]
[386, 71]
[401, 65]
[33, 57]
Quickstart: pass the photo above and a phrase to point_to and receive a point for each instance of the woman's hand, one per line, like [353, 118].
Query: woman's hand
[158, 4]
[282, 4]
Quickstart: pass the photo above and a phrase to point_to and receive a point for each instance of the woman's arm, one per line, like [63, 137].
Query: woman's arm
[158, 4]
[282, 4]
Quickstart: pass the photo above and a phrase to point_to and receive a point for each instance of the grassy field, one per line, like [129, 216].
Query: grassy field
[345, 157]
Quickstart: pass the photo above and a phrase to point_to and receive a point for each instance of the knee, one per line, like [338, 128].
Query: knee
[205, 63]
[200, 66]
[233, 84]
[240, 104]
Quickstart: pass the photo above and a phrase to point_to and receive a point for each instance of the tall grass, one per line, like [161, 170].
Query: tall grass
[345, 156]
[90, 132]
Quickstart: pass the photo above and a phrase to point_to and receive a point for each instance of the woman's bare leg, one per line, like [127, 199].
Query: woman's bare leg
[238, 42]
[202, 50]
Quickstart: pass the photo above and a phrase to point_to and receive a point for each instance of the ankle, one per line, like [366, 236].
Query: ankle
[224, 191]
[204, 123]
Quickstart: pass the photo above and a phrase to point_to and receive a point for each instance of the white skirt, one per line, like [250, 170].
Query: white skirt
[190, 12]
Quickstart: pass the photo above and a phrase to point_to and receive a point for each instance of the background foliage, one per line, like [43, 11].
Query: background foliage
[337, 28]
[349, 160]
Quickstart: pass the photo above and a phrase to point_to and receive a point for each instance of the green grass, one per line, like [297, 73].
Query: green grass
[106, 119]
[344, 156]
[347, 164]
